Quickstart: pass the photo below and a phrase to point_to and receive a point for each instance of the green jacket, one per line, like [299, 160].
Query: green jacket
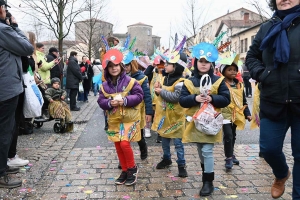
[55, 94]
[44, 70]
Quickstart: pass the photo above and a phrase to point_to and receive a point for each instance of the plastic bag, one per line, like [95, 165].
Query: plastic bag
[33, 99]
[207, 120]
[80, 87]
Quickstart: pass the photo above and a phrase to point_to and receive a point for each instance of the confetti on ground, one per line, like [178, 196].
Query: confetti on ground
[91, 178]
[111, 179]
[80, 187]
[63, 196]
[251, 158]
[52, 169]
[100, 158]
[198, 173]
[174, 178]
[53, 161]
[30, 165]
[68, 185]
[244, 189]
[88, 191]
[222, 187]
[85, 172]
[217, 188]
[126, 197]
[62, 170]
[23, 190]
[98, 147]
[23, 169]
[231, 197]
[27, 167]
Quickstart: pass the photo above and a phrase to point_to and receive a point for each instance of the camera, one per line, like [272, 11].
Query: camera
[8, 17]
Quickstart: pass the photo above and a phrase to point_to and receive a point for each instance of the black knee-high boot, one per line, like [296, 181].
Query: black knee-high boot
[143, 146]
[208, 187]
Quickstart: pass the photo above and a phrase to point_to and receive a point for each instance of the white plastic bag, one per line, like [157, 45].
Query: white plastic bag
[207, 120]
[80, 87]
[33, 99]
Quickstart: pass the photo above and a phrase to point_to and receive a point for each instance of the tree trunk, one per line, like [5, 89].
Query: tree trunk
[60, 27]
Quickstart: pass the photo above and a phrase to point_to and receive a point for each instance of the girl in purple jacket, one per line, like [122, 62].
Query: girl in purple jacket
[120, 97]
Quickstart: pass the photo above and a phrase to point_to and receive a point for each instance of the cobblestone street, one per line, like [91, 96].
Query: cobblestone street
[57, 170]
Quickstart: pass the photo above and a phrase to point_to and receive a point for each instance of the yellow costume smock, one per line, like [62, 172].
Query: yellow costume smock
[124, 122]
[191, 134]
[142, 106]
[169, 119]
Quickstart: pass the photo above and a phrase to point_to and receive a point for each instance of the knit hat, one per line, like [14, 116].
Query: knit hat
[55, 80]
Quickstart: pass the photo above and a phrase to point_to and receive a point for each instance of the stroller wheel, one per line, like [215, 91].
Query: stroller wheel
[37, 124]
[63, 128]
[57, 127]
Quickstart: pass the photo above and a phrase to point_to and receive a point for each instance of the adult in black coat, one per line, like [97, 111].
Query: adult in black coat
[73, 79]
[86, 69]
[273, 60]
[56, 71]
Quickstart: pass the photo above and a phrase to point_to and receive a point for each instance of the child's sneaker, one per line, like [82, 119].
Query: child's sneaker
[158, 139]
[147, 133]
[131, 176]
[163, 164]
[235, 161]
[228, 163]
[122, 178]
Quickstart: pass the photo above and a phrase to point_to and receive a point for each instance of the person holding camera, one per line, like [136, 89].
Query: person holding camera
[13, 45]
[57, 70]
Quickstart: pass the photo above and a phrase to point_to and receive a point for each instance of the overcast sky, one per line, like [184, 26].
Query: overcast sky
[161, 14]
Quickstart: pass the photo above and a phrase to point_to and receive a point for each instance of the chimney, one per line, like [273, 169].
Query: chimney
[246, 17]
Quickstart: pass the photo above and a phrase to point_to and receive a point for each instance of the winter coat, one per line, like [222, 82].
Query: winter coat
[134, 98]
[97, 69]
[45, 68]
[55, 94]
[280, 87]
[87, 83]
[13, 45]
[73, 74]
[56, 71]
[220, 99]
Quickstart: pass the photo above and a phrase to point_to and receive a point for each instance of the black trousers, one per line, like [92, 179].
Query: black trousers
[248, 87]
[20, 121]
[229, 137]
[142, 143]
[7, 126]
[73, 94]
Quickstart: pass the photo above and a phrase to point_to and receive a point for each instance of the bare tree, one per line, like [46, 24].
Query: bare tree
[37, 29]
[88, 32]
[56, 15]
[264, 13]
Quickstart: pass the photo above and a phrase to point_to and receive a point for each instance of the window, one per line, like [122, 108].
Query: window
[252, 38]
[246, 44]
[235, 46]
[148, 32]
[242, 46]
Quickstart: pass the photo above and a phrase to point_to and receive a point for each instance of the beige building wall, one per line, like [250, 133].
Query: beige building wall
[208, 31]
[243, 40]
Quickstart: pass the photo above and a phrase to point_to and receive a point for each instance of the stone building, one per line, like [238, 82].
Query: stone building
[145, 40]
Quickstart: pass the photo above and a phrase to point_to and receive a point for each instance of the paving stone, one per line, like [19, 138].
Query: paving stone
[77, 196]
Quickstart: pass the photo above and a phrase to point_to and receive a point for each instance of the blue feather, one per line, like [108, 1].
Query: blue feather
[161, 123]
[127, 42]
[105, 43]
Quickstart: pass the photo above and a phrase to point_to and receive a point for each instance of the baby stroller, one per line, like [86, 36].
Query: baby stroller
[60, 126]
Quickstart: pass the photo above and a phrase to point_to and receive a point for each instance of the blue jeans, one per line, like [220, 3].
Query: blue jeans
[178, 147]
[83, 96]
[272, 134]
[96, 88]
[206, 155]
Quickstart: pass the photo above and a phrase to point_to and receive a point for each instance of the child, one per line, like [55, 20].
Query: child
[120, 97]
[235, 113]
[131, 68]
[155, 74]
[205, 54]
[169, 115]
[57, 107]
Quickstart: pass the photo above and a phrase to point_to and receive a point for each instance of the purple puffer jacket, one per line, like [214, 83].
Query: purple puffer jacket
[134, 97]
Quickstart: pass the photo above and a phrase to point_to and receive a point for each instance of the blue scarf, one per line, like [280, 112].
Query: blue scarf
[277, 35]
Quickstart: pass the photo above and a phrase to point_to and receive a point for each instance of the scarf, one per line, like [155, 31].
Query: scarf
[277, 35]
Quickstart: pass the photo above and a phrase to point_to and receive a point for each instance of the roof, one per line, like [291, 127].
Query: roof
[247, 29]
[155, 36]
[139, 24]
[98, 20]
[237, 24]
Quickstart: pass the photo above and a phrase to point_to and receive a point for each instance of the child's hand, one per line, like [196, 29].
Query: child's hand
[201, 99]
[114, 103]
[51, 100]
[121, 102]
[157, 90]
[157, 85]
[148, 118]
[63, 98]
[249, 118]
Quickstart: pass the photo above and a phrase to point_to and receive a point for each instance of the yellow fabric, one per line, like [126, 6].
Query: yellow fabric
[173, 114]
[128, 116]
[142, 106]
[255, 109]
[191, 134]
[235, 110]
[156, 78]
